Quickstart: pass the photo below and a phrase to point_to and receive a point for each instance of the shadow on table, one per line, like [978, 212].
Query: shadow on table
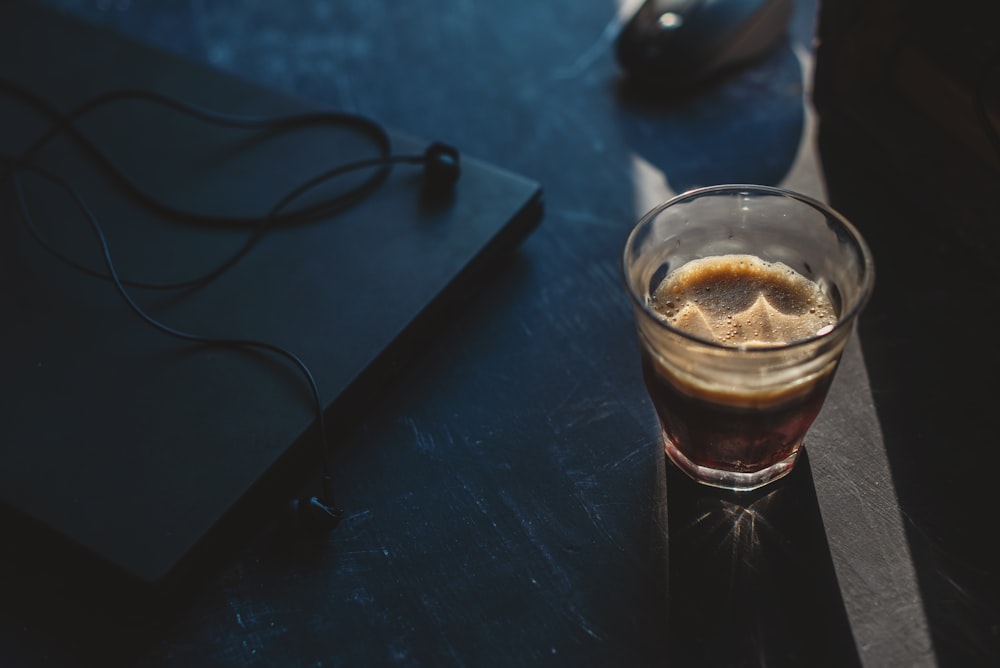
[752, 581]
[932, 407]
[745, 127]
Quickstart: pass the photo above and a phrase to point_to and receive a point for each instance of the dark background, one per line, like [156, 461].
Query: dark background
[507, 502]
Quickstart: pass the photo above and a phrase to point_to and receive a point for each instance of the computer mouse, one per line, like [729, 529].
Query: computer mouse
[681, 43]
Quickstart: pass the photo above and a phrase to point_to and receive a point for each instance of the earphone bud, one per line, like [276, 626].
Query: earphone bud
[315, 513]
[441, 168]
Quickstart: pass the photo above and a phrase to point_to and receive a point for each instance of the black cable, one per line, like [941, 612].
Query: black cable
[442, 170]
[65, 122]
[437, 155]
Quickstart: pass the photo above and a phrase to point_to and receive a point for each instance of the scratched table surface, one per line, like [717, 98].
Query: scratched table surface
[507, 501]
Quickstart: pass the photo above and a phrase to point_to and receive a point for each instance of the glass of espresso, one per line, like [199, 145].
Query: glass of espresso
[744, 298]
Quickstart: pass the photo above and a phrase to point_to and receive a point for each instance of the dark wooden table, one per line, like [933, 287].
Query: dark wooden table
[507, 501]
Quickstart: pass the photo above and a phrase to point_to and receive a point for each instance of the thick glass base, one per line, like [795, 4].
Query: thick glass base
[737, 481]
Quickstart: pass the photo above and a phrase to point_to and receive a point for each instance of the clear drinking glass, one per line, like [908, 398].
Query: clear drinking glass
[734, 398]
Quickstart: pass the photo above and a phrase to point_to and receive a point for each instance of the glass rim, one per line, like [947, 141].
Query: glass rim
[844, 320]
